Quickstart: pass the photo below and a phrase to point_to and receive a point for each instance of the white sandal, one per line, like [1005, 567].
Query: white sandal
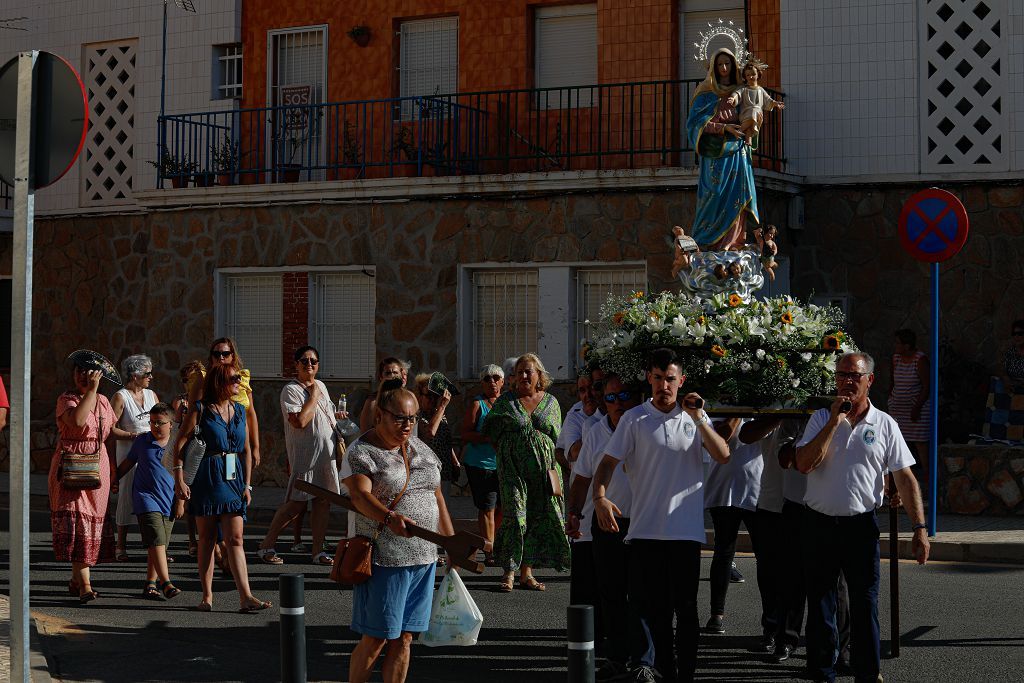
[323, 559]
[269, 556]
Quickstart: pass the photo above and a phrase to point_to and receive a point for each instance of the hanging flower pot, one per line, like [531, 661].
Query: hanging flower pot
[360, 35]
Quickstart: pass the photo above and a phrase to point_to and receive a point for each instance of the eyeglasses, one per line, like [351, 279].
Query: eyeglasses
[843, 374]
[159, 424]
[235, 379]
[622, 396]
[400, 419]
[310, 362]
[221, 354]
[144, 374]
[492, 378]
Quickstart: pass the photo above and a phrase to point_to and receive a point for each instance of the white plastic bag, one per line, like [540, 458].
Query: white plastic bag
[454, 617]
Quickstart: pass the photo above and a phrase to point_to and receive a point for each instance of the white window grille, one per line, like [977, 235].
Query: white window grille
[251, 314]
[428, 60]
[565, 55]
[228, 71]
[296, 78]
[504, 318]
[695, 15]
[108, 160]
[965, 102]
[343, 308]
[593, 286]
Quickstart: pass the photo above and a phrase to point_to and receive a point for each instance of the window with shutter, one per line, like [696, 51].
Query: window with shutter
[694, 17]
[593, 286]
[343, 306]
[504, 314]
[250, 313]
[428, 59]
[565, 55]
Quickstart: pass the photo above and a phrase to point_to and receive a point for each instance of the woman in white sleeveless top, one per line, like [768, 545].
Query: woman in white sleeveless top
[131, 406]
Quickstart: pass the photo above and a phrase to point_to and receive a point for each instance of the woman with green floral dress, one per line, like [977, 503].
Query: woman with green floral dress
[523, 427]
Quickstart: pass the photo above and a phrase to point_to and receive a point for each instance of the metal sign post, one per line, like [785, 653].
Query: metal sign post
[21, 369]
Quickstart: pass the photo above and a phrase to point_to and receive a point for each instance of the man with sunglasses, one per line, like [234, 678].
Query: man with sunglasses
[846, 451]
[660, 444]
[610, 556]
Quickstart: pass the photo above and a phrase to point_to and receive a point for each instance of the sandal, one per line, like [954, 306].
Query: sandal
[268, 556]
[532, 584]
[204, 607]
[253, 607]
[87, 597]
[506, 584]
[193, 549]
[120, 554]
[323, 559]
[299, 547]
[150, 592]
[169, 590]
[73, 587]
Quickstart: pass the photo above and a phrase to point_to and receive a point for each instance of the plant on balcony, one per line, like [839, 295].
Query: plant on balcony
[225, 160]
[179, 171]
[360, 35]
[351, 152]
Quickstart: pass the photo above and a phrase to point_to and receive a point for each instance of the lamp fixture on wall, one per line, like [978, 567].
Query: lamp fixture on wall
[360, 35]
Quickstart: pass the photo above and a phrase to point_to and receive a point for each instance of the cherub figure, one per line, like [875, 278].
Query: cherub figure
[766, 242]
[736, 270]
[684, 247]
[752, 100]
[720, 272]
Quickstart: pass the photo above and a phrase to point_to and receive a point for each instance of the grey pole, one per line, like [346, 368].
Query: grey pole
[293, 628]
[581, 643]
[21, 368]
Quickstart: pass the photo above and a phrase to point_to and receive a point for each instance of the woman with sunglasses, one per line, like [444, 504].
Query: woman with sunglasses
[394, 479]
[224, 352]
[220, 492]
[478, 454]
[389, 368]
[523, 428]
[309, 419]
[131, 407]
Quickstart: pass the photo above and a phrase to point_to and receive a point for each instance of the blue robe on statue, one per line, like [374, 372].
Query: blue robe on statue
[726, 186]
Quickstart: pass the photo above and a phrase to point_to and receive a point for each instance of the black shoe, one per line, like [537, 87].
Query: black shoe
[716, 624]
[642, 674]
[843, 667]
[734, 575]
[767, 644]
[611, 671]
[782, 653]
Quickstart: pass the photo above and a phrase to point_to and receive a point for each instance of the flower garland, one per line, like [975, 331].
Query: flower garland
[766, 353]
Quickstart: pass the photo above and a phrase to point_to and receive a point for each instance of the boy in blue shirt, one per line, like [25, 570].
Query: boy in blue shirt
[152, 498]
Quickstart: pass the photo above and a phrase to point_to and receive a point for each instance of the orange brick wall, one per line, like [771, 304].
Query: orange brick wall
[763, 31]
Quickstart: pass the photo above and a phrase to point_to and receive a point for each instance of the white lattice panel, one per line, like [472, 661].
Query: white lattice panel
[504, 315]
[343, 324]
[251, 314]
[108, 160]
[964, 103]
[592, 289]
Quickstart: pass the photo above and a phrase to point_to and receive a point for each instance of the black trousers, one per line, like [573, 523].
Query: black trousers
[663, 579]
[727, 526]
[583, 583]
[621, 627]
[834, 548]
[785, 560]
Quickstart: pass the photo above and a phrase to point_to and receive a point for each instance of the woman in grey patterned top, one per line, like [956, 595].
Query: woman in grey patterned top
[395, 602]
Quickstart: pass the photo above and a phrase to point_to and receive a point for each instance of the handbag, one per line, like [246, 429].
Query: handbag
[193, 452]
[353, 559]
[81, 471]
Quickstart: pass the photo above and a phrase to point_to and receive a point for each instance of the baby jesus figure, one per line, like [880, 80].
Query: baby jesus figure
[684, 247]
[753, 100]
[766, 242]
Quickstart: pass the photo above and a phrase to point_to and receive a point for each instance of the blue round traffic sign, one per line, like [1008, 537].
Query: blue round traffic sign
[933, 225]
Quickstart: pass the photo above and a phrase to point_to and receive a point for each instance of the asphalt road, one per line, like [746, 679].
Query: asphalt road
[961, 622]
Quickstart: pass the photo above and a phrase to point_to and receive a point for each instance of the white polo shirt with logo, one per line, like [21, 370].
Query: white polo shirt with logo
[591, 454]
[661, 454]
[572, 427]
[850, 479]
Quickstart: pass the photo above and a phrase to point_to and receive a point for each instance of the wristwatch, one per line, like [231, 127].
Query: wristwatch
[920, 526]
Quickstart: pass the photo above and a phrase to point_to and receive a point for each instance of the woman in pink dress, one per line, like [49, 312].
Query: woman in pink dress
[909, 402]
[82, 532]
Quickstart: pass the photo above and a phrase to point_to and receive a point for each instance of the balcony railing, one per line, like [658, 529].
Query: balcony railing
[609, 126]
[6, 197]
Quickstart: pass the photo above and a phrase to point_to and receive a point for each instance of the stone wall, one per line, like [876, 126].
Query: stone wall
[976, 480]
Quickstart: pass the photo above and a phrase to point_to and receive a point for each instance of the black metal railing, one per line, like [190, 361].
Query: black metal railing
[608, 126]
[6, 197]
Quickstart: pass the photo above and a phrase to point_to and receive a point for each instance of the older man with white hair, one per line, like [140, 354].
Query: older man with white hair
[846, 451]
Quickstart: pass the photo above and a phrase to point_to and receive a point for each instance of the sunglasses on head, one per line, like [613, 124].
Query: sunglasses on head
[310, 362]
[622, 396]
[221, 354]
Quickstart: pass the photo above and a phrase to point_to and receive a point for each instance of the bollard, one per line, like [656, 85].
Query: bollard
[581, 643]
[293, 628]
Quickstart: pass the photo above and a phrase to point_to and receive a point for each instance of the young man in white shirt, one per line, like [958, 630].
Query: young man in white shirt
[660, 445]
[611, 554]
[845, 452]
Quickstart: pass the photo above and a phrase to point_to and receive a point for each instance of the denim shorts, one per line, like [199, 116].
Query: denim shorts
[393, 600]
[484, 485]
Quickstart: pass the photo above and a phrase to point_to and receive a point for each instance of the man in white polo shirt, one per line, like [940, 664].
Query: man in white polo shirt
[660, 447]
[846, 452]
[572, 426]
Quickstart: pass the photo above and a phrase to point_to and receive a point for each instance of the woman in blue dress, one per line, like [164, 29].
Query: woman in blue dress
[220, 493]
[725, 192]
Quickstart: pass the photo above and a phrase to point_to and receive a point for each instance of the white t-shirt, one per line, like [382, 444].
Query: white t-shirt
[737, 483]
[591, 421]
[850, 479]
[591, 455]
[661, 455]
[572, 427]
[773, 477]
